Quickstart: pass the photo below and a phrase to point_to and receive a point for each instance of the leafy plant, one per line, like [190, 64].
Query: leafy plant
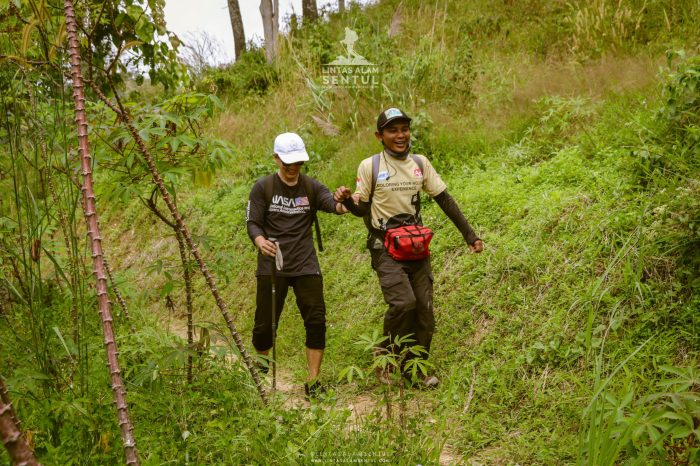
[249, 75]
[393, 363]
[682, 96]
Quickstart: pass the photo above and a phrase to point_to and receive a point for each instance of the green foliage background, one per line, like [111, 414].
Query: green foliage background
[568, 132]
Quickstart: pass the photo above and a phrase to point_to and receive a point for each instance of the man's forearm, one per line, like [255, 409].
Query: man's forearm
[448, 205]
[358, 210]
[254, 230]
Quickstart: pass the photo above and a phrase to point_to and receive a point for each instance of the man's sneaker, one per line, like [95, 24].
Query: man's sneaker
[384, 374]
[430, 382]
[427, 382]
[314, 390]
[262, 367]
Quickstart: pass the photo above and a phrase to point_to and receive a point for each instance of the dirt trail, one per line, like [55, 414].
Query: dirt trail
[363, 407]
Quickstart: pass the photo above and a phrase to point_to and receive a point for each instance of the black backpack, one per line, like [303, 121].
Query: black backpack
[268, 185]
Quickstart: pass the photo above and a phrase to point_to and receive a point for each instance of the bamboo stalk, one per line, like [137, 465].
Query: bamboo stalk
[5, 398]
[10, 435]
[116, 292]
[96, 240]
[119, 109]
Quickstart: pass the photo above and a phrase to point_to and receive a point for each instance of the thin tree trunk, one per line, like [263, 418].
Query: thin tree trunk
[268, 11]
[309, 10]
[275, 23]
[63, 221]
[115, 290]
[186, 276]
[158, 180]
[127, 430]
[117, 293]
[188, 300]
[10, 434]
[234, 12]
[341, 6]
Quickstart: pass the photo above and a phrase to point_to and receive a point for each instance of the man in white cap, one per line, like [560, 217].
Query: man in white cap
[283, 206]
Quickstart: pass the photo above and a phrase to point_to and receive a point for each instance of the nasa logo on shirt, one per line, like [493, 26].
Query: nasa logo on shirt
[382, 176]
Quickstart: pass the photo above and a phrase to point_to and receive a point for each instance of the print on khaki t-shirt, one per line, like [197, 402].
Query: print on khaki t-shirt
[398, 182]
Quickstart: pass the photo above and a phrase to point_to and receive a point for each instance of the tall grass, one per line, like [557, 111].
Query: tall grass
[572, 338]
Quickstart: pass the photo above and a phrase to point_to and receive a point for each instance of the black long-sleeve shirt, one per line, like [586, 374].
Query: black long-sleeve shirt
[288, 218]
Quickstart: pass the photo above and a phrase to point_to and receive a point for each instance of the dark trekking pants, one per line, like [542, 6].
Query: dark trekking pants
[308, 290]
[408, 290]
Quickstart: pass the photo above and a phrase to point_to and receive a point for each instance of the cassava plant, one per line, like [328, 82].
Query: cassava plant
[173, 130]
[125, 117]
[393, 363]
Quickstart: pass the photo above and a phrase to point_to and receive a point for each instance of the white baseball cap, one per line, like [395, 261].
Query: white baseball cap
[290, 148]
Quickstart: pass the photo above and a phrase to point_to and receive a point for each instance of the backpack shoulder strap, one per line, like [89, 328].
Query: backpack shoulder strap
[268, 186]
[311, 193]
[368, 216]
[375, 172]
[309, 188]
[419, 162]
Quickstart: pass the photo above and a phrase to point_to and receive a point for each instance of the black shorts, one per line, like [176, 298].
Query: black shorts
[308, 290]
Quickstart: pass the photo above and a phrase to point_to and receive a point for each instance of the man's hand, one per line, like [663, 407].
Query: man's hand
[477, 247]
[266, 248]
[341, 194]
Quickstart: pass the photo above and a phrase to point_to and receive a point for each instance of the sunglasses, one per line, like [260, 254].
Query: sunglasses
[295, 164]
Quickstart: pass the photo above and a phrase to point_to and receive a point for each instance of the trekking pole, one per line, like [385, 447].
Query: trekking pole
[274, 315]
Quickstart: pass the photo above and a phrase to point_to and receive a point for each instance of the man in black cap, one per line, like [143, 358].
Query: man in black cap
[387, 194]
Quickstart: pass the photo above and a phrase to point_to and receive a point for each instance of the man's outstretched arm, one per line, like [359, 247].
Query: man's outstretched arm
[448, 205]
[345, 197]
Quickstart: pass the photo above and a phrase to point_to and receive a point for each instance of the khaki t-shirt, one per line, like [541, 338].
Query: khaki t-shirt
[398, 184]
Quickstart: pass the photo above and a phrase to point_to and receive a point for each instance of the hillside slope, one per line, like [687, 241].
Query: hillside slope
[568, 132]
[571, 169]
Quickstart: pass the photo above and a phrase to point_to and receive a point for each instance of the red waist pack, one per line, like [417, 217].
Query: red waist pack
[408, 242]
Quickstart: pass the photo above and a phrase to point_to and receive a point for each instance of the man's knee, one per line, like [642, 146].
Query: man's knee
[398, 293]
[313, 312]
[400, 309]
[262, 338]
[316, 335]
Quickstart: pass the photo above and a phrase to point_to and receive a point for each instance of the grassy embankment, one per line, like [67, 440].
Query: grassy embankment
[553, 128]
[557, 154]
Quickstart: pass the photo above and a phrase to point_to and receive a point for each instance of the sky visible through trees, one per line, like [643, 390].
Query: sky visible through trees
[186, 16]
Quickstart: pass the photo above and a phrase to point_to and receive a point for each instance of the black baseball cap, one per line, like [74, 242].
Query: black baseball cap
[389, 115]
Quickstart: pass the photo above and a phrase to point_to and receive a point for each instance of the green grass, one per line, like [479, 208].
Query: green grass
[572, 338]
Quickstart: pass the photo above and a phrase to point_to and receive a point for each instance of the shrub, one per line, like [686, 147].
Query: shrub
[249, 75]
[682, 92]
